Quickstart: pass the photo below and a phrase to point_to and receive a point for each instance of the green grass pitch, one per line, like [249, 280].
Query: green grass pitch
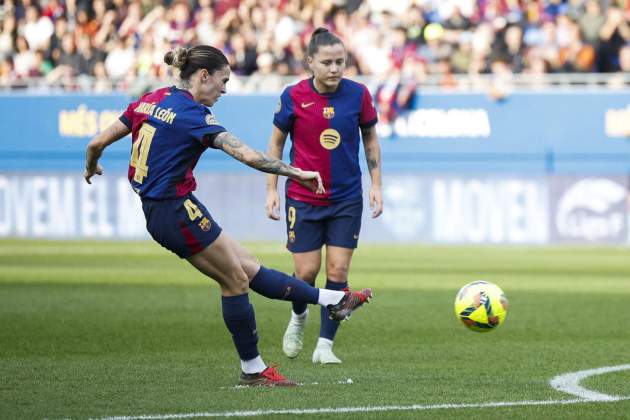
[100, 329]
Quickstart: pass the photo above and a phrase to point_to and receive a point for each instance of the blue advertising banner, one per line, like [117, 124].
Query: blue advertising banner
[537, 133]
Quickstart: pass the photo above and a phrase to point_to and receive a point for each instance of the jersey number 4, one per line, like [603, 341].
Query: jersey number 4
[140, 152]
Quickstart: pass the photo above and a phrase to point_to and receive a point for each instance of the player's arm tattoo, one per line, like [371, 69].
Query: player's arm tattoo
[272, 165]
[254, 158]
[230, 144]
[372, 162]
[372, 152]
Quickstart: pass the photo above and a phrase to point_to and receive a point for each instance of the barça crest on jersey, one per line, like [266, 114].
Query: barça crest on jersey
[210, 120]
[291, 236]
[329, 112]
[205, 224]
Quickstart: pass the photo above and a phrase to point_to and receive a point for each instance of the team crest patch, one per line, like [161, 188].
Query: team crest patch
[210, 120]
[330, 139]
[291, 236]
[328, 112]
[205, 224]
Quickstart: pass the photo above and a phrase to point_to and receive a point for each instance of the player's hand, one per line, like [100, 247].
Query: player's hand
[311, 180]
[272, 205]
[88, 174]
[376, 201]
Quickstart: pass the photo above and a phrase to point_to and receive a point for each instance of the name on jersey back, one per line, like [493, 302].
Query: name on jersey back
[162, 114]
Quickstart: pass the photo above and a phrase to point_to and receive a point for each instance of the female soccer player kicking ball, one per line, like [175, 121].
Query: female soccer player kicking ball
[170, 129]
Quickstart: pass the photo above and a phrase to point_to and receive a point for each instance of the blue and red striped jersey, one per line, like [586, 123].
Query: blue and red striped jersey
[325, 136]
[169, 132]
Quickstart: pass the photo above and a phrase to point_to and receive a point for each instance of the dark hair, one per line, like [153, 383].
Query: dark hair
[189, 60]
[321, 37]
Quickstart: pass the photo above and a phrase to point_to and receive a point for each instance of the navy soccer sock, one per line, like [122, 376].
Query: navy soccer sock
[328, 327]
[239, 318]
[299, 307]
[276, 285]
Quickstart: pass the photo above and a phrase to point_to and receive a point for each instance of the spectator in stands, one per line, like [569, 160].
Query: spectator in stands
[37, 29]
[7, 73]
[86, 56]
[7, 36]
[613, 35]
[591, 23]
[120, 59]
[567, 35]
[24, 59]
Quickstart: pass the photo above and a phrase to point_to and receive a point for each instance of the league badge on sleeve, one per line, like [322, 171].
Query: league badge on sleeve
[210, 120]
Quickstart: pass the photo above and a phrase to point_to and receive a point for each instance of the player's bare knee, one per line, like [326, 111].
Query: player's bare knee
[308, 274]
[337, 272]
[237, 282]
[250, 266]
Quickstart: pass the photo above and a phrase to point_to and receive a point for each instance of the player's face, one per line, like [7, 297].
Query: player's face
[212, 86]
[328, 65]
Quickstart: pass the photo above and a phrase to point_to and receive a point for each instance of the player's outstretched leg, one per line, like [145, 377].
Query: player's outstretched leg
[276, 285]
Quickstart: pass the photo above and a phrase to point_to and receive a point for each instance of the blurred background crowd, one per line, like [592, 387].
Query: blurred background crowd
[124, 41]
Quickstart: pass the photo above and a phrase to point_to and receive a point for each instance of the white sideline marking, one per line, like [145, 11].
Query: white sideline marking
[570, 383]
[339, 410]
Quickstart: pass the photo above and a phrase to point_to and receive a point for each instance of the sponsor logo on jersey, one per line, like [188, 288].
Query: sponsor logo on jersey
[279, 106]
[330, 139]
[328, 112]
[307, 104]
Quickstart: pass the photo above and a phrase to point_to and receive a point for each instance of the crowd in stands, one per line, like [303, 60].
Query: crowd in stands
[124, 41]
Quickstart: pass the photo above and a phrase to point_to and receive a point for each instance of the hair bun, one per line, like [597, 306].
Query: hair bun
[176, 58]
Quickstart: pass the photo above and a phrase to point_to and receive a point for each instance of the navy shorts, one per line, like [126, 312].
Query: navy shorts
[309, 227]
[182, 225]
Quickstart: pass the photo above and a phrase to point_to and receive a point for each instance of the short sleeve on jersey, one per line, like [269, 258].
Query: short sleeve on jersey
[127, 116]
[283, 118]
[205, 127]
[368, 116]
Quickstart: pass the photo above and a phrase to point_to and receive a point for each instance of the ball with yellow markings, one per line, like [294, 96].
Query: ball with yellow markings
[481, 306]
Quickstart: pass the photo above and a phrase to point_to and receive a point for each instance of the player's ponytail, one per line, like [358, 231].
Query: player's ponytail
[189, 60]
[321, 37]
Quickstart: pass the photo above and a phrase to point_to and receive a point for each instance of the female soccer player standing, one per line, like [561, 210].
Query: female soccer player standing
[171, 127]
[324, 115]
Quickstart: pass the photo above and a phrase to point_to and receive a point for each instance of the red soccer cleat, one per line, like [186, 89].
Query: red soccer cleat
[268, 377]
[350, 302]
